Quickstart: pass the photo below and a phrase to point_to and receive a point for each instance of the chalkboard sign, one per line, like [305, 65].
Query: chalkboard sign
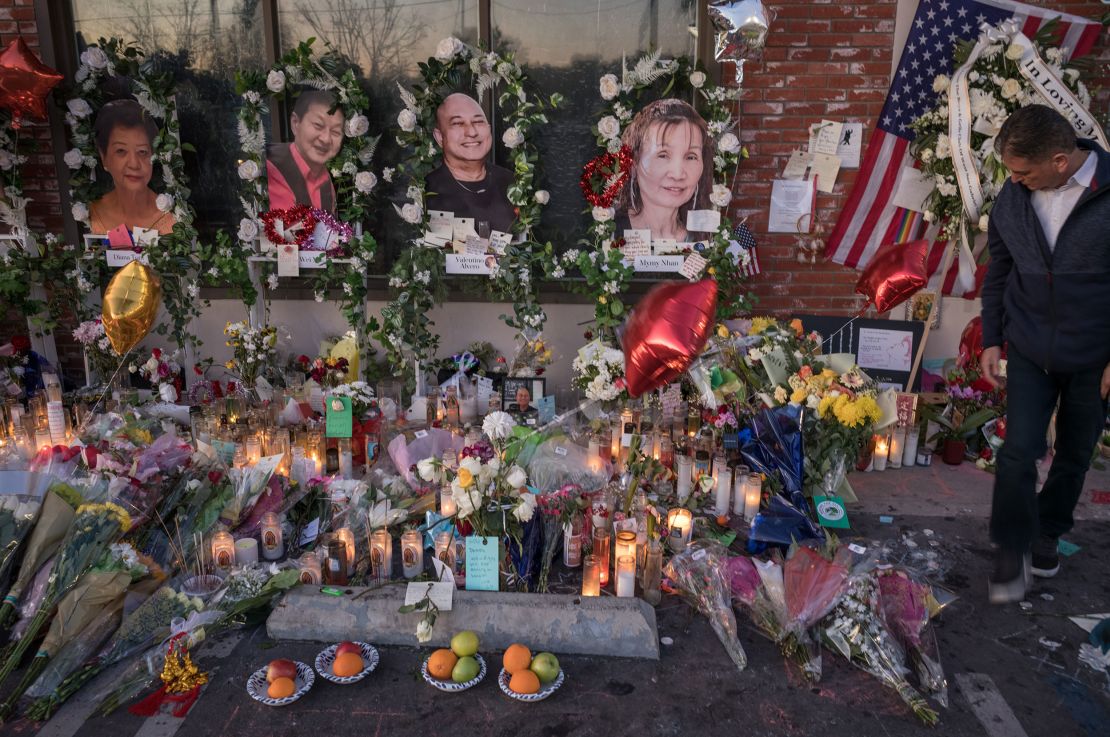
[884, 349]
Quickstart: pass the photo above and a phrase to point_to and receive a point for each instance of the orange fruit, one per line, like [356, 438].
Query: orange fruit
[281, 687]
[524, 681]
[517, 658]
[441, 663]
[347, 664]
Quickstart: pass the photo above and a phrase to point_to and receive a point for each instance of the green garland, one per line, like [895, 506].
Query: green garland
[607, 274]
[418, 274]
[174, 256]
[354, 182]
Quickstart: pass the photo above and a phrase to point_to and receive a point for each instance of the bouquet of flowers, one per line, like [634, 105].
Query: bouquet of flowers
[148, 625]
[163, 373]
[855, 628]
[531, 358]
[103, 358]
[18, 513]
[557, 509]
[94, 529]
[701, 575]
[599, 372]
[326, 371]
[363, 399]
[905, 607]
[253, 349]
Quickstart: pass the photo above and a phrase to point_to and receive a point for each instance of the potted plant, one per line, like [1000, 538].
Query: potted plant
[951, 439]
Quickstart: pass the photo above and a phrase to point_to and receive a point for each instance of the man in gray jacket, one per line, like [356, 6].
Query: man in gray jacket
[1047, 294]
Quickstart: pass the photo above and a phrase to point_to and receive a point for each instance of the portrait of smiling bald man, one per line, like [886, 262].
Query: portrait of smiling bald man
[466, 183]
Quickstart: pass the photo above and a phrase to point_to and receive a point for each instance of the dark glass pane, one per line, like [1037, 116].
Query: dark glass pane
[566, 46]
[203, 43]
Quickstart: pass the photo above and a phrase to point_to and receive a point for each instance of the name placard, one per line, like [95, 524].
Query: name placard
[659, 263]
[461, 263]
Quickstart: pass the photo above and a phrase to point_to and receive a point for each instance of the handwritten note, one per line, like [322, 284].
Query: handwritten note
[825, 169]
[791, 202]
[339, 421]
[825, 137]
[796, 166]
[636, 243]
[441, 593]
[703, 221]
[288, 260]
[663, 246]
[693, 266]
[482, 554]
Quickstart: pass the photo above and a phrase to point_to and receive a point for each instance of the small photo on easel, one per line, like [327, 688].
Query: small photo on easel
[919, 305]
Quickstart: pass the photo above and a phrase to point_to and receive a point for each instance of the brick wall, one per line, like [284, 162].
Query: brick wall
[827, 59]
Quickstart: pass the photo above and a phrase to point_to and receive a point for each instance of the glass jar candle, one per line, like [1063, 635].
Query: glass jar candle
[666, 451]
[246, 551]
[882, 450]
[653, 572]
[572, 541]
[346, 459]
[412, 553]
[591, 576]
[625, 544]
[680, 524]
[310, 569]
[724, 491]
[348, 538]
[445, 549]
[335, 568]
[381, 555]
[753, 494]
[684, 468]
[447, 506]
[913, 437]
[626, 576]
[601, 551]
[223, 551]
[897, 447]
[253, 448]
[273, 546]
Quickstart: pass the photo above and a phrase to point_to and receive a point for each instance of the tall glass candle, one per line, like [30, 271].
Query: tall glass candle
[246, 551]
[272, 545]
[753, 492]
[724, 490]
[381, 555]
[591, 576]
[253, 447]
[897, 443]
[882, 449]
[346, 459]
[223, 550]
[348, 538]
[447, 506]
[684, 468]
[626, 576]
[653, 572]
[601, 551]
[909, 455]
[412, 553]
[572, 541]
[680, 523]
[625, 544]
[445, 549]
[310, 569]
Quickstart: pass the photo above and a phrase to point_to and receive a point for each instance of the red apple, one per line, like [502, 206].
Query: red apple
[281, 668]
[348, 647]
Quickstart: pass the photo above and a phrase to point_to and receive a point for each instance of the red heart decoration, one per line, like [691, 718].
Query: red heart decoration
[895, 273]
[666, 332]
[297, 214]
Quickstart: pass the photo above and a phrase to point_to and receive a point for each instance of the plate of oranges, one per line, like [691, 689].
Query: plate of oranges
[347, 662]
[281, 682]
[529, 678]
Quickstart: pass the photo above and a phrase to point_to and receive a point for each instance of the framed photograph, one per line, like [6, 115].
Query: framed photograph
[522, 391]
[919, 306]
[298, 171]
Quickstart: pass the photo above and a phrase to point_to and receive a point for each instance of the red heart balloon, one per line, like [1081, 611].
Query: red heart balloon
[971, 344]
[666, 332]
[895, 273]
[24, 82]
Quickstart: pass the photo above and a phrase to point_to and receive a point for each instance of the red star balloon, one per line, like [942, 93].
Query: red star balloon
[24, 82]
[895, 273]
[666, 332]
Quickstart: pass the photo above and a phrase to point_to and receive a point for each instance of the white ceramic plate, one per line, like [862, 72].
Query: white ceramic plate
[327, 656]
[451, 686]
[543, 693]
[257, 685]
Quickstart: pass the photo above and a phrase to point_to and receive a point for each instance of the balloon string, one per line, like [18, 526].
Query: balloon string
[559, 419]
[840, 330]
[107, 388]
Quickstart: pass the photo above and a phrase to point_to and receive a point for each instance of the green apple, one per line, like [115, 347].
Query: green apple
[466, 669]
[546, 667]
[464, 643]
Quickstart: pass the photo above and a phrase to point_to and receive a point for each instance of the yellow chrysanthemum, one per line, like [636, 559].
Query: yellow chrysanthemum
[828, 373]
[798, 396]
[465, 478]
[825, 404]
[722, 331]
[759, 324]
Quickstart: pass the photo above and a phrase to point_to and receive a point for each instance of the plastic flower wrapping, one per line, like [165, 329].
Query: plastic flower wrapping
[700, 574]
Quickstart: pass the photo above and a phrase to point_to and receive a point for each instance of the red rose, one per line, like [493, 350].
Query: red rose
[21, 343]
[986, 454]
[215, 476]
[157, 353]
[982, 385]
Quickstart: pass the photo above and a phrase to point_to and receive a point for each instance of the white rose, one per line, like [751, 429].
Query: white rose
[984, 222]
[697, 80]
[512, 137]
[407, 120]
[973, 76]
[940, 84]
[929, 216]
[603, 214]
[721, 195]
[729, 143]
[498, 425]
[448, 48]
[80, 212]
[413, 213]
[248, 229]
[73, 158]
[542, 196]
[275, 81]
[423, 631]
[466, 500]
[365, 181]
[610, 87]
[249, 170]
[516, 477]
[1014, 52]
[609, 127]
[427, 469]
[1011, 88]
[164, 202]
[357, 126]
[94, 58]
[167, 392]
[79, 108]
[526, 508]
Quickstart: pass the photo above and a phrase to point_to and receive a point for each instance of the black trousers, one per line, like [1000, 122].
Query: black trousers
[1018, 513]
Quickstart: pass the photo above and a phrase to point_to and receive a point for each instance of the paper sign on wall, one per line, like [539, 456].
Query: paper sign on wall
[890, 350]
[796, 166]
[659, 263]
[791, 202]
[703, 221]
[458, 263]
[824, 169]
[440, 222]
[482, 554]
[824, 137]
[288, 260]
[692, 266]
[663, 246]
[461, 228]
[913, 188]
[441, 593]
[636, 243]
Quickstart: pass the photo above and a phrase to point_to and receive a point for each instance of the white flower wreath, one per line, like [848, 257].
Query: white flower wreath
[405, 328]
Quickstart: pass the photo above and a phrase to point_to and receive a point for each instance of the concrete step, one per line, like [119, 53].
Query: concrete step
[558, 623]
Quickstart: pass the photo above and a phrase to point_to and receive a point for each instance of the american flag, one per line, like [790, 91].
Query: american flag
[743, 237]
[869, 219]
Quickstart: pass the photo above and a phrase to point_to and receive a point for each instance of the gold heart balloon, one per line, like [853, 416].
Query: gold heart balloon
[130, 305]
